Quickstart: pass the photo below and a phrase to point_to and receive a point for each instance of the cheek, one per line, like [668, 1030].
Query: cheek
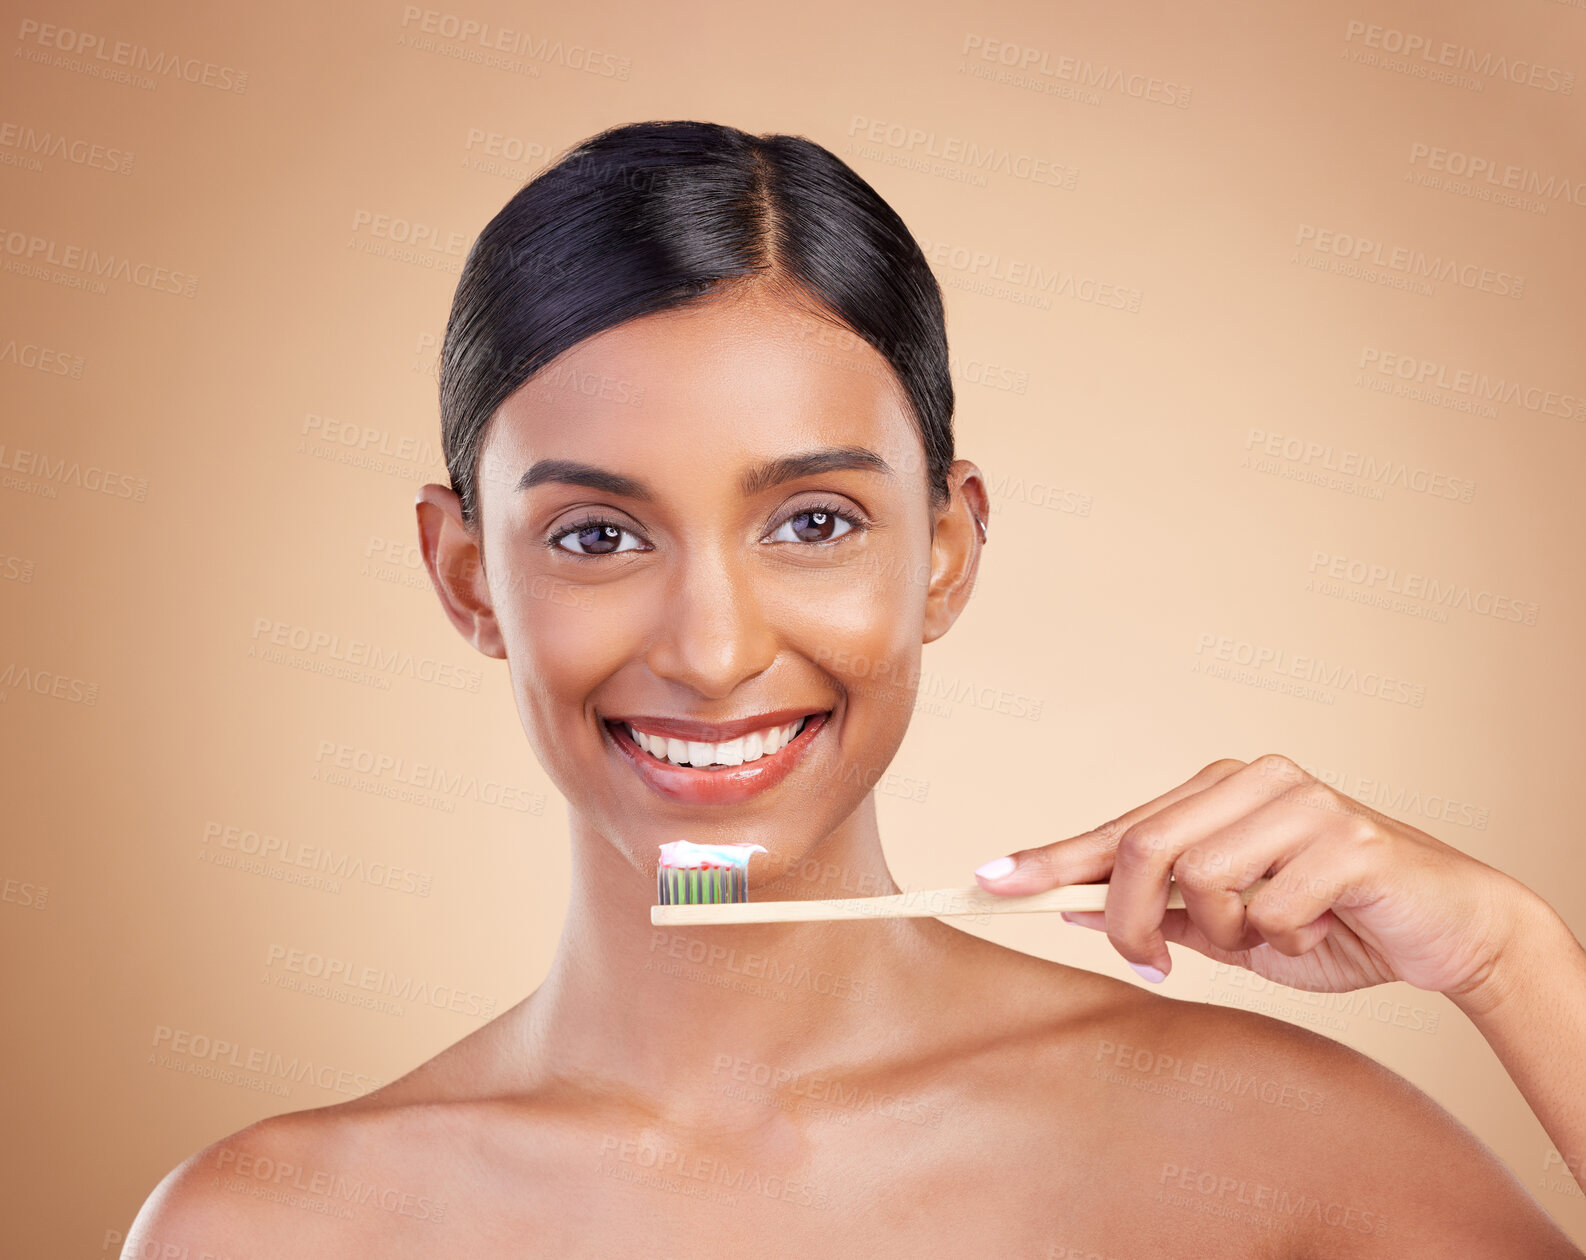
[880, 677]
[864, 631]
[871, 655]
[560, 645]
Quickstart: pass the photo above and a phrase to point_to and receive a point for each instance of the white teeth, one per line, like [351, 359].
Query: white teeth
[735, 752]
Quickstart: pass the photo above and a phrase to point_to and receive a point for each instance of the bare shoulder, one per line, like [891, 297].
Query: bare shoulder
[233, 1198]
[1354, 1158]
[376, 1173]
[1226, 1129]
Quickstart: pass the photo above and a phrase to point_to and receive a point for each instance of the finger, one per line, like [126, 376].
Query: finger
[1307, 831]
[1176, 927]
[1181, 930]
[1293, 913]
[1149, 849]
[1213, 873]
[1088, 857]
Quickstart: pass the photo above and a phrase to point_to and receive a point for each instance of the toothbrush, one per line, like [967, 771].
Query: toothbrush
[697, 885]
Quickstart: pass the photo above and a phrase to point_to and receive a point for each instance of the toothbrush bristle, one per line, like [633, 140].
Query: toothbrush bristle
[700, 885]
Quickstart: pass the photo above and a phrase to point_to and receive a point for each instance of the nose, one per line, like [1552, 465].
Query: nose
[714, 634]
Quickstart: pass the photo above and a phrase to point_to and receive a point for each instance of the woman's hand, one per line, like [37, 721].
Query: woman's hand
[1355, 898]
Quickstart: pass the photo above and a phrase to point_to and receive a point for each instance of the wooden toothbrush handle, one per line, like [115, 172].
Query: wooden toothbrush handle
[936, 903]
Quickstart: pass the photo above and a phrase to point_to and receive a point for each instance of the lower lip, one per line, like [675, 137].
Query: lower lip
[691, 786]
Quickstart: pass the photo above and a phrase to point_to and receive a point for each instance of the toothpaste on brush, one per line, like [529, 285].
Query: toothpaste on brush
[685, 854]
[689, 873]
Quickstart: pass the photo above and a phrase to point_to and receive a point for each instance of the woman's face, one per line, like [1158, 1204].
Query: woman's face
[700, 524]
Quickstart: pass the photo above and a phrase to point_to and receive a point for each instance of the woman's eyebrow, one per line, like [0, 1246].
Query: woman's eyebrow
[761, 477]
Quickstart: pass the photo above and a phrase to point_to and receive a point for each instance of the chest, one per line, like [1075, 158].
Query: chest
[873, 1190]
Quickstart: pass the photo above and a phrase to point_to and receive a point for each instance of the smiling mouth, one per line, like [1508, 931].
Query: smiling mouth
[706, 773]
[701, 755]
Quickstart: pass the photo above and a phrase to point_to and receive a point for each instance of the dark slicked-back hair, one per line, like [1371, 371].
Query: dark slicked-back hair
[649, 216]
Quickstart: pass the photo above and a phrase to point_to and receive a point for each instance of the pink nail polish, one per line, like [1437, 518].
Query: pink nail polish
[1149, 972]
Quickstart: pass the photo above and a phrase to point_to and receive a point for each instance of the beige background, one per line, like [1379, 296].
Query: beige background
[259, 443]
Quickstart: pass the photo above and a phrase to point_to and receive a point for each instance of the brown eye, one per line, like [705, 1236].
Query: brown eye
[816, 525]
[594, 538]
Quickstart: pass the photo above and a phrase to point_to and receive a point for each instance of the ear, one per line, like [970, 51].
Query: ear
[457, 571]
[955, 548]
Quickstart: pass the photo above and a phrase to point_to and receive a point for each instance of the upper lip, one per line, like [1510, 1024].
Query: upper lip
[711, 732]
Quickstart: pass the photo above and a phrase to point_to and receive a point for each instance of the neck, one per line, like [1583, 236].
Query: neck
[676, 1014]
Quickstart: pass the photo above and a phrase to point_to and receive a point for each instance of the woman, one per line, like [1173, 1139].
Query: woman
[697, 416]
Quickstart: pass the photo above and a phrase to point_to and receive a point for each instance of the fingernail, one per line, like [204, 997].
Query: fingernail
[1149, 972]
[996, 868]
